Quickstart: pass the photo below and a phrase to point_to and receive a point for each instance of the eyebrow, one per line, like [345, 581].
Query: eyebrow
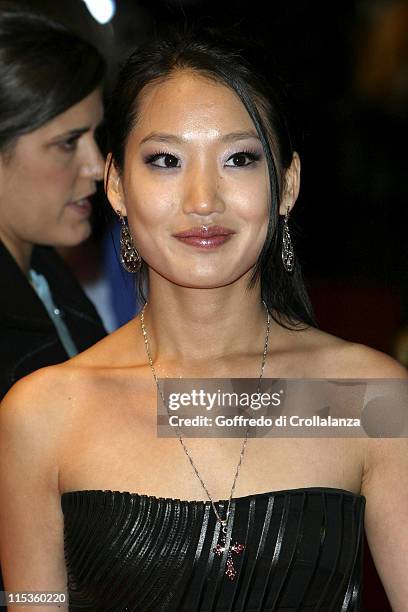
[79, 131]
[71, 134]
[172, 138]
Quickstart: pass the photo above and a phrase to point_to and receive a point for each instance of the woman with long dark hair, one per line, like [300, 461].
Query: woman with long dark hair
[203, 177]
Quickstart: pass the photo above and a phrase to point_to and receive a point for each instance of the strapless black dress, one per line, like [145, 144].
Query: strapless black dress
[302, 552]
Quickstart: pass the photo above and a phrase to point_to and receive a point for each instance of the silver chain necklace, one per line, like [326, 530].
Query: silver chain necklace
[221, 545]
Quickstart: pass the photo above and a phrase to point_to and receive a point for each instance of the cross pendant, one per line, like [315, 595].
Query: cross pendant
[237, 548]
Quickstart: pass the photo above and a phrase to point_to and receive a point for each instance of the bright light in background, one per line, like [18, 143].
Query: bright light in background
[101, 10]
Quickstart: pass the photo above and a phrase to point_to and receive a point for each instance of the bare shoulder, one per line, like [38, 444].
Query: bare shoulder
[357, 360]
[330, 356]
[31, 406]
[31, 427]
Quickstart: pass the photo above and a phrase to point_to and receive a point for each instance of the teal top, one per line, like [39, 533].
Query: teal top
[42, 289]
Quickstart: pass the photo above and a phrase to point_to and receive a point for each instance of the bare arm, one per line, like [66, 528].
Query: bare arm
[385, 486]
[31, 522]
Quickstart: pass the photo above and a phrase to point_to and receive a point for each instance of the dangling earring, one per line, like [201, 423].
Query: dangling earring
[288, 254]
[129, 256]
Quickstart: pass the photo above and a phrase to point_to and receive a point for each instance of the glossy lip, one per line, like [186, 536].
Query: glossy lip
[204, 231]
[207, 243]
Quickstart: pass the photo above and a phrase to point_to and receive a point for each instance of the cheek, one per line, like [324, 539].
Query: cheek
[59, 179]
[250, 200]
[149, 204]
[45, 177]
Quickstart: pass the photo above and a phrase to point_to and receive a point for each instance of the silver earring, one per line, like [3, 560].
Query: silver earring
[129, 255]
[288, 254]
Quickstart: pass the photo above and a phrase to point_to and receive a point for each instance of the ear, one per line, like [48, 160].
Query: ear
[291, 185]
[113, 186]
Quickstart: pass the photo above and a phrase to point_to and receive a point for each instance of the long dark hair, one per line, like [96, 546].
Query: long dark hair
[44, 70]
[213, 56]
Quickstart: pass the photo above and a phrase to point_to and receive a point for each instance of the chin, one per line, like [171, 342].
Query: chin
[73, 238]
[81, 235]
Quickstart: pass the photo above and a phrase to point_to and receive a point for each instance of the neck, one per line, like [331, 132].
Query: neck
[200, 326]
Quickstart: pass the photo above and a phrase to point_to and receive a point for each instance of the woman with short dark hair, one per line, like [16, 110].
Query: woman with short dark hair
[50, 107]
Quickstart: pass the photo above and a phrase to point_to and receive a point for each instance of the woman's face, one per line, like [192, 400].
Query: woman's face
[194, 163]
[46, 179]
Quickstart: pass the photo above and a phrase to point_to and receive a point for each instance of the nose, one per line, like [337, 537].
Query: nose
[202, 193]
[92, 166]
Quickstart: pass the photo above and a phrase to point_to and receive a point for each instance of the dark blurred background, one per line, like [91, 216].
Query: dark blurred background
[346, 67]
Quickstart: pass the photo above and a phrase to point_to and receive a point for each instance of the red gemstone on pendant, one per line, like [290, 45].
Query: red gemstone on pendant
[219, 549]
[236, 548]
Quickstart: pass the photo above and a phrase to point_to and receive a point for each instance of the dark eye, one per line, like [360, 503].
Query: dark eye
[69, 145]
[242, 159]
[163, 160]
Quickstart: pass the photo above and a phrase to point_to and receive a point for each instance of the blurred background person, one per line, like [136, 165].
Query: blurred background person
[50, 108]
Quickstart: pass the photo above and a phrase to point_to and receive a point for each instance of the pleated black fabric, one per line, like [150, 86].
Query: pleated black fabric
[303, 552]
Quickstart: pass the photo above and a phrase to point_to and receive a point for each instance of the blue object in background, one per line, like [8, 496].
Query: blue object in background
[122, 284]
